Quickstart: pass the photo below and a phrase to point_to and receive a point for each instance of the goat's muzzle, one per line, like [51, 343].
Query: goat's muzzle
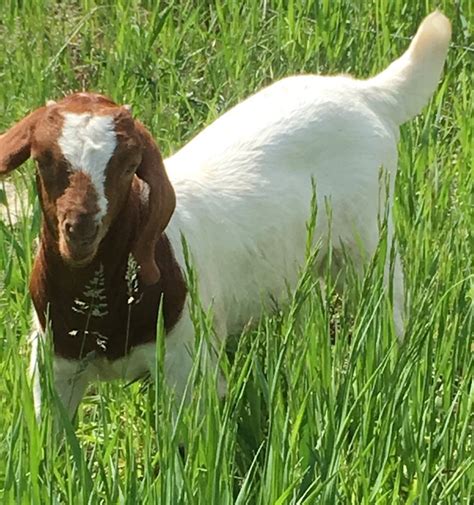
[80, 225]
[79, 238]
[80, 230]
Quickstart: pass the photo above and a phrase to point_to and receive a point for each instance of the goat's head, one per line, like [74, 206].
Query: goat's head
[89, 152]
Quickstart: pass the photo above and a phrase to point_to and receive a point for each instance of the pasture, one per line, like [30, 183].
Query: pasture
[324, 405]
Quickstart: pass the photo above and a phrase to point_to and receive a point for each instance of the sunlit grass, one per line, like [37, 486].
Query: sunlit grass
[324, 405]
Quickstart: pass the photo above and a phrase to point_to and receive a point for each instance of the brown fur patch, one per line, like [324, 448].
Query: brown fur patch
[56, 289]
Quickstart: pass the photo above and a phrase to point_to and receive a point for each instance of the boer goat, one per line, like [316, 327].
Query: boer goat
[239, 192]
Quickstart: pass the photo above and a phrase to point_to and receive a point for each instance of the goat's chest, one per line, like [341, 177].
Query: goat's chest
[96, 313]
[107, 327]
[108, 323]
[134, 365]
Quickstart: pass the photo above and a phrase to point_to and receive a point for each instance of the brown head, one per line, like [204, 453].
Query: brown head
[89, 151]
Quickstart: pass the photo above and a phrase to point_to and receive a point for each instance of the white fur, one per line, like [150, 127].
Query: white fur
[36, 337]
[71, 377]
[88, 142]
[243, 190]
[243, 185]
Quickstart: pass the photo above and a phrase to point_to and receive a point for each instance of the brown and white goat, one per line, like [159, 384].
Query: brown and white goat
[104, 192]
[243, 189]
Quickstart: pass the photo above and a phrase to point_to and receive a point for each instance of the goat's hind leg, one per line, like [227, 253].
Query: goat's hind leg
[360, 255]
[398, 304]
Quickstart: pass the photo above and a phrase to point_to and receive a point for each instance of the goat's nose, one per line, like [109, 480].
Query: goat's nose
[81, 229]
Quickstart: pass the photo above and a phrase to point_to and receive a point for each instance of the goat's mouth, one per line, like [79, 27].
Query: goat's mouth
[80, 260]
[79, 240]
[77, 256]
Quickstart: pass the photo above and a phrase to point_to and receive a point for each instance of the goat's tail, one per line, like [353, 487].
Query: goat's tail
[407, 84]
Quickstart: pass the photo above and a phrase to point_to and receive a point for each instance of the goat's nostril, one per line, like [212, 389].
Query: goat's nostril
[68, 228]
[81, 231]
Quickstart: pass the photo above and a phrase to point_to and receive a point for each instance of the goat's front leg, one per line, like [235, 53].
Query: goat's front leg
[179, 361]
[69, 381]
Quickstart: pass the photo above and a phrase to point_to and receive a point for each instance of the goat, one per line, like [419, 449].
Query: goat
[243, 191]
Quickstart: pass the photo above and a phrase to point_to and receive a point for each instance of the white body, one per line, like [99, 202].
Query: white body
[243, 189]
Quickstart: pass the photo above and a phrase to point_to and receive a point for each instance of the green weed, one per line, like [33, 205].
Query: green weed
[323, 406]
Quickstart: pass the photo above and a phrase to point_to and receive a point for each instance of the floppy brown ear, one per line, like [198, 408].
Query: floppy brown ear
[161, 204]
[15, 143]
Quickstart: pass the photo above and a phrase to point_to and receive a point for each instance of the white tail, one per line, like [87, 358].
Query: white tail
[407, 84]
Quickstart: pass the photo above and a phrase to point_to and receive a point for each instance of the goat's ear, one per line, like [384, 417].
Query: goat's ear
[15, 143]
[161, 204]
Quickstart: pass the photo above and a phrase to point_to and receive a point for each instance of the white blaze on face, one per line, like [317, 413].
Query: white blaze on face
[88, 142]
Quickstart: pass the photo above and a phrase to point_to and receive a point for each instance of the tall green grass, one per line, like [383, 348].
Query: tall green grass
[323, 405]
